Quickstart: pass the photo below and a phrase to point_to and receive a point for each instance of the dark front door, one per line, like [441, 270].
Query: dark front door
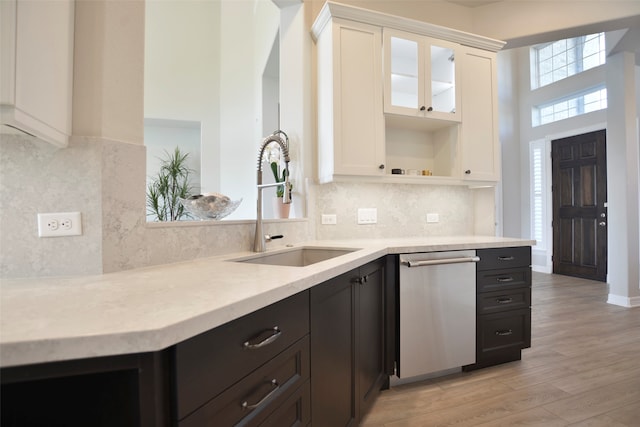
[579, 214]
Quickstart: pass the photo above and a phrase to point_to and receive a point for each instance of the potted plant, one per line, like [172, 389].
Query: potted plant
[171, 184]
[281, 210]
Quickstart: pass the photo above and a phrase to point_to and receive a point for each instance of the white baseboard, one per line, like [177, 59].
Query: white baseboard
[542, 268]
[623, 301]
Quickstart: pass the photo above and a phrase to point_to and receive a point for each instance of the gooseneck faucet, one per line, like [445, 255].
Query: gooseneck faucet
[259, 241]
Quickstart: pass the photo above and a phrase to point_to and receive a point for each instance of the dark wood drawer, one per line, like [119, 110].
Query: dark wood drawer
[500, 331]
[496, 301]
[209, 363]
[500, 280]
[251, 401]
[501, 258]
[296, 411]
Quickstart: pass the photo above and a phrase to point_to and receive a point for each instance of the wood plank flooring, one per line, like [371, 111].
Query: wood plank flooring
[583, 369]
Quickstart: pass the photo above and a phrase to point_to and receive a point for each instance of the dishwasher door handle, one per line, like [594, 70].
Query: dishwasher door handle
[424, 263]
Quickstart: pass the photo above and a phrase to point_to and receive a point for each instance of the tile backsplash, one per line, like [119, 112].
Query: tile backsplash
[105, 181]
[401, 210]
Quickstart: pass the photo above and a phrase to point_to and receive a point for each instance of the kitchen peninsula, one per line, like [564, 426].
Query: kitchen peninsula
[148, 312]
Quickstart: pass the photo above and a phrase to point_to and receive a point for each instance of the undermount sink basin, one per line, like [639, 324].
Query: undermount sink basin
[298, 257]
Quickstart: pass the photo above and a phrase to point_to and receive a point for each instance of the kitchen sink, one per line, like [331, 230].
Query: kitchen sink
[298, 257]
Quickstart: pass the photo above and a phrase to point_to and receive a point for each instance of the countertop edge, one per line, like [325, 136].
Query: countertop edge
[34, 345]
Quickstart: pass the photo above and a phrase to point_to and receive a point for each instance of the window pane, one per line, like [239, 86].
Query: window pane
[586, 102]
[564, 58]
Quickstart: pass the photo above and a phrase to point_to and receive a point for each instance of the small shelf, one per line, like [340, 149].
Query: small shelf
[418, 123]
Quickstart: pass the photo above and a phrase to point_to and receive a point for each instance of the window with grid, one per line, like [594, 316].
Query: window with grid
[558, 60]
[584, 102]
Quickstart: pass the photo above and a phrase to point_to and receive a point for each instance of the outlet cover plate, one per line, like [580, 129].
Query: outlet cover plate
[59, 224]
[433, 217]
[329, 219]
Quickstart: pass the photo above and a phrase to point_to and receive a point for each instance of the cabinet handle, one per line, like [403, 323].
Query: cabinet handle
[275, 334]
[505, 258]
[423, 108]
[430, 109]
[468, 172]
[504, 279]
[504, 300]
[381, 167]
[276, 387]
[504, 332]
[360, 280]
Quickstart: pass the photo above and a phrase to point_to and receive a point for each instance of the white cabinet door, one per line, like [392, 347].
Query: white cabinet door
[420, 76]
[350, 114]
[37, 67]
[480, 146]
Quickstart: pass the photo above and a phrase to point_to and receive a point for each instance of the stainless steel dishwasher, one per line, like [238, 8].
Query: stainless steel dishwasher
[437, 311]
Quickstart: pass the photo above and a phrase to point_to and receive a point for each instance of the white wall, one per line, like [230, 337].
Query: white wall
[204, 62]
[623, 172]
[526, 22]
[182, 68]
[509, 130]
[108, 73]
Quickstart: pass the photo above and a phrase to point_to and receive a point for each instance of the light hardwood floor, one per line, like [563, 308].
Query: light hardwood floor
[583, 369]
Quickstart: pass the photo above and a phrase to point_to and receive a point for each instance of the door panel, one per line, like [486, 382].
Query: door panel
[579, 212]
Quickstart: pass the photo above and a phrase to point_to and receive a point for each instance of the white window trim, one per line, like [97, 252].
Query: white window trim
[539, 144]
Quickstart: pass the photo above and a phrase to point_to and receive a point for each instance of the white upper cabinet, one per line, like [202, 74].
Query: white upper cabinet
[350, 117]
[37, 68]
[420, 76]
[404, 101]
[480, 147]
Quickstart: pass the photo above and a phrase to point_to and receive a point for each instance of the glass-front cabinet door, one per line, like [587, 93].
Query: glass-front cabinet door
[420, 76]
[404, 68]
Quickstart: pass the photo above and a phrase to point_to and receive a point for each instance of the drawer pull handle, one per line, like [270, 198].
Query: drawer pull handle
[504, 300]
[504, 332]
[271, 338]
[504, 279]
[505, 258]
[276, 387]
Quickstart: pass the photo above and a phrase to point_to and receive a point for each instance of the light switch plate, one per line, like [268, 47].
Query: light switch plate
[367, 215]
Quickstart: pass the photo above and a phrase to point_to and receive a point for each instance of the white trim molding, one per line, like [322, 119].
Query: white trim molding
[380, 19]
[623, 301]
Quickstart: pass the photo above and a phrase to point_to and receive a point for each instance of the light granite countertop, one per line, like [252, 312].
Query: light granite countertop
[150, 309]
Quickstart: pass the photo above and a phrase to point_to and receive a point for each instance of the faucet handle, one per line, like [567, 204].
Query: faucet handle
[268, 237]
[286, 197]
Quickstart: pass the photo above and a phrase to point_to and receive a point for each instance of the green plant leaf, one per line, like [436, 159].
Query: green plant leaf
[172, 182]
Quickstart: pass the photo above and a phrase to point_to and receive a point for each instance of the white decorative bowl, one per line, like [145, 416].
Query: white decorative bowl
[210, 206]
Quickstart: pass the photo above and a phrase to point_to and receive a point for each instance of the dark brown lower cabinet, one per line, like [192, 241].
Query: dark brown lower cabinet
[503, 301]
[246, 372]
[319, 358]
[127, 391]
[347, 345]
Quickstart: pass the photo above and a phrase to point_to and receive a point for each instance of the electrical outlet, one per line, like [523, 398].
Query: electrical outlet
[329, 219]
[367, 215]
[433, 217]
[59, 224]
